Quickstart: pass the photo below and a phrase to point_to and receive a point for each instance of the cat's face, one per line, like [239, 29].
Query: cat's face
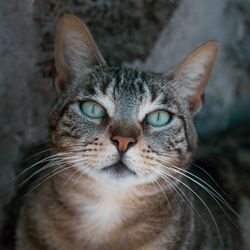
[121, 125]
[123, 103]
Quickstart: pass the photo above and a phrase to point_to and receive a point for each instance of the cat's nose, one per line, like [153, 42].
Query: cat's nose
[123, 143]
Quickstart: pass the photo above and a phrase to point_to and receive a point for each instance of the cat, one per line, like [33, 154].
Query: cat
[123, 142]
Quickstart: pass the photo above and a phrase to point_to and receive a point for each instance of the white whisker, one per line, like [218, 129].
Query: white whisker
[201, 200]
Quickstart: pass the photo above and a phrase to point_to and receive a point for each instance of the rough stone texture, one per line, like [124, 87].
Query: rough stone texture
[241, 49]
[151, 35]
[124, 30]
[17, 52]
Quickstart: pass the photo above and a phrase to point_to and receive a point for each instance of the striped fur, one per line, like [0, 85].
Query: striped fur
[81, 206]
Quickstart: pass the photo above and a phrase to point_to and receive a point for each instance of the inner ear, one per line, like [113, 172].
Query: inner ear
[76, 53]
[190, 78]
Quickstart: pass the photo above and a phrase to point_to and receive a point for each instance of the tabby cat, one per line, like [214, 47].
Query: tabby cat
[123, 142]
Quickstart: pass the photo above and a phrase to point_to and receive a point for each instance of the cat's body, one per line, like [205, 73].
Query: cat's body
[90, 216]
[97, 217]
[122, 142]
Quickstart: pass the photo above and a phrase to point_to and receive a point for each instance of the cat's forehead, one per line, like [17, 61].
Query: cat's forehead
[125, 91]
[126, 85]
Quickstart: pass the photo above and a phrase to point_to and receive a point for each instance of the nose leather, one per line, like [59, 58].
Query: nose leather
[123, 135]
[123, 143]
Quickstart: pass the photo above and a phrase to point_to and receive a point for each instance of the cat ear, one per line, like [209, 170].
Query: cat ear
[192, 75]
[75, 51]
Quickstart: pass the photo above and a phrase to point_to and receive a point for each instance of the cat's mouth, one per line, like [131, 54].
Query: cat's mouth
[119, 169]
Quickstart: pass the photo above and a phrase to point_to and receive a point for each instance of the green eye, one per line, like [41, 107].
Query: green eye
[158, 118]
[93, 110]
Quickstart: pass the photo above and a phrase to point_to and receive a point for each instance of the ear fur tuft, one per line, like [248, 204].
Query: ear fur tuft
[192, 75]
[75, 51]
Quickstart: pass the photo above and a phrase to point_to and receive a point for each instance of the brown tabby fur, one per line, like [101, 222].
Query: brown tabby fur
[87, 214]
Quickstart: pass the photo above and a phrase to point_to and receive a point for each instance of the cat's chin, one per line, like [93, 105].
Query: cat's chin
[119, 170]
[119, 174]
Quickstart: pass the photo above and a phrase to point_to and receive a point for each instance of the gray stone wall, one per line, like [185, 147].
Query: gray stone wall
[147, 34]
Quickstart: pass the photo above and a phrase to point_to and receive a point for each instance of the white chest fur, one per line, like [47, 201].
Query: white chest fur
[103, 212]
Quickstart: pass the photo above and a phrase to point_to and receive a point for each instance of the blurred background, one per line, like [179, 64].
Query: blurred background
[146, 34]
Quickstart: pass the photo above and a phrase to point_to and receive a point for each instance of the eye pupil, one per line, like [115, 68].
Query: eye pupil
[158, 118]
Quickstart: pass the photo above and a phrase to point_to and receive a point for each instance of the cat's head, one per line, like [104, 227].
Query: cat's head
[119, 124]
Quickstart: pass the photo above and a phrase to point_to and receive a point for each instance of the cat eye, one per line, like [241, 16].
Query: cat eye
[158, 118]
[93, 110]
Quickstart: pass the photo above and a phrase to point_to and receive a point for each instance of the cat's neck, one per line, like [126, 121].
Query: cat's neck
[106, 213]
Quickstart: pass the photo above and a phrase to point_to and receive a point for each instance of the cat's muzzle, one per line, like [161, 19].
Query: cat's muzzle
[119, 169]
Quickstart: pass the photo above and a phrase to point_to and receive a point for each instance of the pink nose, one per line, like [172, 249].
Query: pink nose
[123, 143]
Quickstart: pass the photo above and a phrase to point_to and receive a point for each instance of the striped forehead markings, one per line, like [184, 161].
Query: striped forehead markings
[118, 84]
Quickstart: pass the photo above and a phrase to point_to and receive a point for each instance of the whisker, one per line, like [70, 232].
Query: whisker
[49, 177]
[201, 200]
[181, 194]
[196, 165]
[49, 158]
[34, 155]
[162, 191]
[210, 190]
[77, 171]
[49, 165]
[209, 175]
